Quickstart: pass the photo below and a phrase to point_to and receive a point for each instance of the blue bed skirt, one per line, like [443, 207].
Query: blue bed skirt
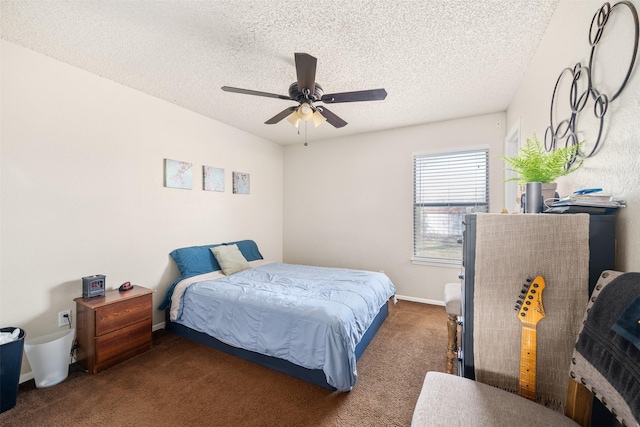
[314, 376]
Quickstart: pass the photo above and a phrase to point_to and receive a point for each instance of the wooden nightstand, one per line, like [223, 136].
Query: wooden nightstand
[113, 328]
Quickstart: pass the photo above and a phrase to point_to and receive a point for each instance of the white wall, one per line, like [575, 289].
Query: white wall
[615, 167]
[82, 188]
[348, 201]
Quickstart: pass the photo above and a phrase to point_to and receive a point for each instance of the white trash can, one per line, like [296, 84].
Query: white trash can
[49, 357]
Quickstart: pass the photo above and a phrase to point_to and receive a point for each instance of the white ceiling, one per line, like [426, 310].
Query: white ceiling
[437, 59]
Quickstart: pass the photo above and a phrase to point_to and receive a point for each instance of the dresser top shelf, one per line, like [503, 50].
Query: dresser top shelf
[112, 296]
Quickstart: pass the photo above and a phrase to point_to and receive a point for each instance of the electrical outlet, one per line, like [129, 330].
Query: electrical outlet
[62, 320]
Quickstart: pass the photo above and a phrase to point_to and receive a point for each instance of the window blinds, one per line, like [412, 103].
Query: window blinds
[446, 187]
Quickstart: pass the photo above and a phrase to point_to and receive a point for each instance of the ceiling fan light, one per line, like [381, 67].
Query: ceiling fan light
[318, 118]
[305, 112]
[294, 119]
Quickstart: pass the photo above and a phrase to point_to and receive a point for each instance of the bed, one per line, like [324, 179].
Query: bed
[309, 322]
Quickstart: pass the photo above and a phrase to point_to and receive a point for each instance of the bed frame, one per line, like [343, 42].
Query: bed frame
[314, 376]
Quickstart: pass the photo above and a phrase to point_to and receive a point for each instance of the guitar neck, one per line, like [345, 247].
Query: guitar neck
[528, 350]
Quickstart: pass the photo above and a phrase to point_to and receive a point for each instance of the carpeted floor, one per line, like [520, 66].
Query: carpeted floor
[181, 383]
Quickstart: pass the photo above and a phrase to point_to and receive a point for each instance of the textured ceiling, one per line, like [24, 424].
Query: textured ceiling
[437, 60]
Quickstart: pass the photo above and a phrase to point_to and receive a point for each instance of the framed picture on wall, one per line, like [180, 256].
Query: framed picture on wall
[240, 183]
[178, 174]
[212, 179]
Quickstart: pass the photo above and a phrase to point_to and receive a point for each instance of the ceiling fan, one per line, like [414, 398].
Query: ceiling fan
[306, 92]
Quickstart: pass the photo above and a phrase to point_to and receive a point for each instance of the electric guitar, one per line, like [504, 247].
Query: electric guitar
[530, 312]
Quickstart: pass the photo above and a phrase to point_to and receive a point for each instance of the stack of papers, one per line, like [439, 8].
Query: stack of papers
[590, 200]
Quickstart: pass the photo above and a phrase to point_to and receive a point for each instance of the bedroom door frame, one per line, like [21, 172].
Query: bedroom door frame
[511, 148]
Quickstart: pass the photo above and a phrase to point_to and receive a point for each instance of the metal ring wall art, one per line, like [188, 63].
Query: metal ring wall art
[582, 78]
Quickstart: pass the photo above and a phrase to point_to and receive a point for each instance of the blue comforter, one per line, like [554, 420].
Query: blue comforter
[310, 316]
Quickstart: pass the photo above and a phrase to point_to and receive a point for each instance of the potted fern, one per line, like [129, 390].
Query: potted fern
[534, 164]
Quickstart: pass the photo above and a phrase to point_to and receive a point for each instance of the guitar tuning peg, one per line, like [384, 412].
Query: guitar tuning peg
[529, 279]
[516, 308]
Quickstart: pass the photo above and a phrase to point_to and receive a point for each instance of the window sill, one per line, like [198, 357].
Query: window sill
[437, 263]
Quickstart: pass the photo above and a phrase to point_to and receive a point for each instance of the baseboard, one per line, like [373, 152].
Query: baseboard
[421, 300]
[157, 326]
[26, 377]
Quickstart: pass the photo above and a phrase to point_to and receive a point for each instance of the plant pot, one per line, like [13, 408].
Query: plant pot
[549, 192]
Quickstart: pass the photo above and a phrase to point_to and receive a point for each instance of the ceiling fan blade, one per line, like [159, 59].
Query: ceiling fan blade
[254, 92]
[281, 115]
[360, 95]
[334, 120]
[306, 72]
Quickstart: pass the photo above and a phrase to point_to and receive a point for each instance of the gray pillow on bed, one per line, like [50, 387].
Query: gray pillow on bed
[230, 259]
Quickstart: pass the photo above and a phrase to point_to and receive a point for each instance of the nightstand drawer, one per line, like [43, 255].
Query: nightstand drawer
[113, 317]
[123, 340]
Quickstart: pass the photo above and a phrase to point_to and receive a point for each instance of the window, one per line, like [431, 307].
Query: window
[446, 186]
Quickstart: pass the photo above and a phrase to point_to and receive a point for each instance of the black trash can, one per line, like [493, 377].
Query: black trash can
[10, 366]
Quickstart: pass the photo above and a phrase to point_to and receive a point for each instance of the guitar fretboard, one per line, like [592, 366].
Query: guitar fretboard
[528, 349]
